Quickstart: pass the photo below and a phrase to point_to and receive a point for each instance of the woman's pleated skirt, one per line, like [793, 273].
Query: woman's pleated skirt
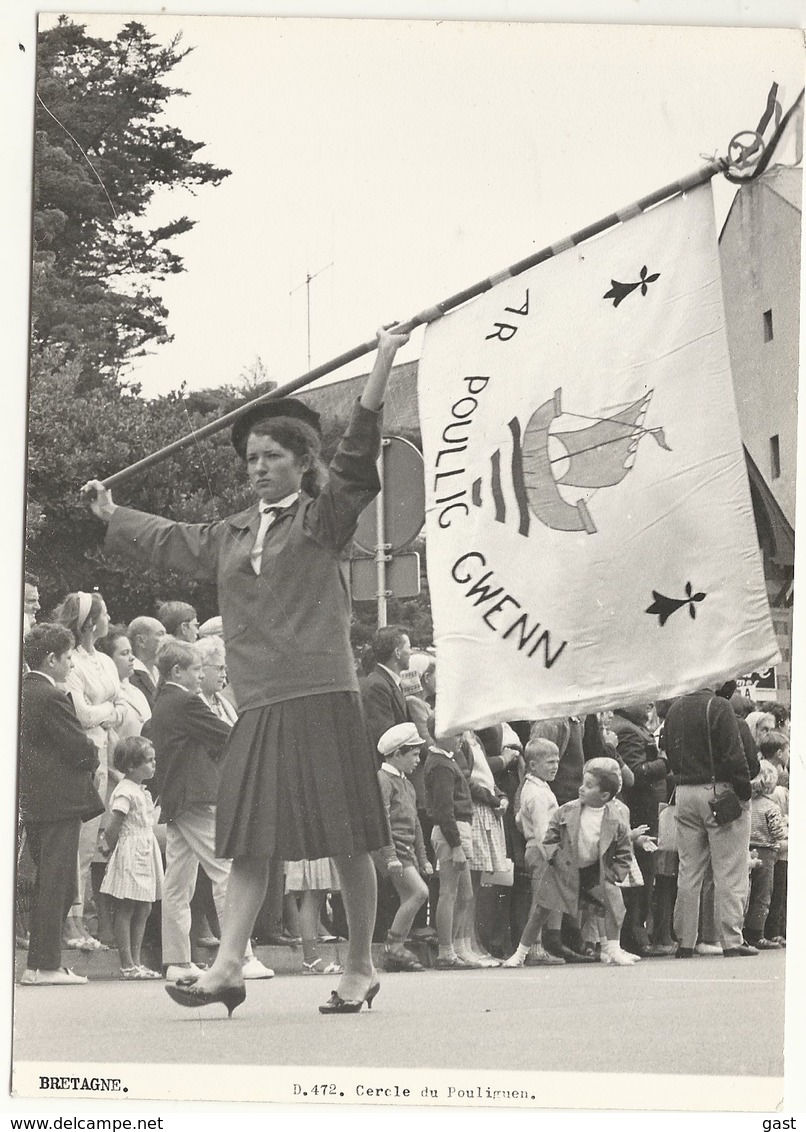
[299, 782]
[488, 840]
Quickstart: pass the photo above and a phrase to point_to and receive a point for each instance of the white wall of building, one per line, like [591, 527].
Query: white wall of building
[760, 253]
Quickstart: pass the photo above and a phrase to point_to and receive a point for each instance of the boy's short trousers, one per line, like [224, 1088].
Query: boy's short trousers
[589, 877]
[404, 854]
[441, 847]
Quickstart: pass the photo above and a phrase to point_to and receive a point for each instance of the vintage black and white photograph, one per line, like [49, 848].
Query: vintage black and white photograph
[408, 576]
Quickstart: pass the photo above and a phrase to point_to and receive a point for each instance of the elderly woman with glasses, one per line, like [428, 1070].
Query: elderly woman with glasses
[214, 678]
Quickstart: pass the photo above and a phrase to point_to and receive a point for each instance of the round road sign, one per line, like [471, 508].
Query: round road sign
[403, 498]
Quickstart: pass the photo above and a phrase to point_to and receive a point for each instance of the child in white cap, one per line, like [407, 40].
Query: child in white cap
[404, 859]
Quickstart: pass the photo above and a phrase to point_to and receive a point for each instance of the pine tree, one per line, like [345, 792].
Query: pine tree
[102, 149]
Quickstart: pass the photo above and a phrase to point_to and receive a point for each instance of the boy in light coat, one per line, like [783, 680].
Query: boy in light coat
[587, 846]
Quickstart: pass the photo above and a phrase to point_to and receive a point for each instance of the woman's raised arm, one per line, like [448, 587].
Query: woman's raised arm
[389, 343]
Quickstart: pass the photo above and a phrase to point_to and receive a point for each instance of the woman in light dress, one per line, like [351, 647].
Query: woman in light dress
[94, 687]
[116, 644]
[134, 875]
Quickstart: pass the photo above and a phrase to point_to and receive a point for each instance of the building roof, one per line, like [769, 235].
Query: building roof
[401, 413]
[786, 181]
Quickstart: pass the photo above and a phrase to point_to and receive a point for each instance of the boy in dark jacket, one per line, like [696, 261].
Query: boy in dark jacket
[57, 762]
[449, 805]
[404, 859]
[189, 740]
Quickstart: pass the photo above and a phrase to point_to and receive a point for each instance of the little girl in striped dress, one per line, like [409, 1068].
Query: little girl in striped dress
[134, 873]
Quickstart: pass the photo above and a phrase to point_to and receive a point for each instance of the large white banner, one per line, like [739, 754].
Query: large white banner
[590, 535]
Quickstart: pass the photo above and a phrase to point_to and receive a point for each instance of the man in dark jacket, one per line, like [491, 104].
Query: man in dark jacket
[639, 751]
[707, 758]
[384, 704]
[381, 694]
[145, 636]
[189, 740]
[57, 762]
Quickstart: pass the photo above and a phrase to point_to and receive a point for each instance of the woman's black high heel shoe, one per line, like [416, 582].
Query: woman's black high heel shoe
[338, 1005]
[186, 994]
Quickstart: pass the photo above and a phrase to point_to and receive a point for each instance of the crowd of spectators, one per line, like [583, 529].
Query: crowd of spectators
[573, 840]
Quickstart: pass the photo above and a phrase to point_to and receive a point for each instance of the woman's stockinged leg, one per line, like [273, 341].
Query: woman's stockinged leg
[359, 891]
[246, 888]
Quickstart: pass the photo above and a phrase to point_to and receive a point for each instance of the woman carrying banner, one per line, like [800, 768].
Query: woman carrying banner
[299, 778]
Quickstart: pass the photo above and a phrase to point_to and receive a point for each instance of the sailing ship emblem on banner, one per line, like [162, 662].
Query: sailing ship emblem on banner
[589, 529]
[545, 461]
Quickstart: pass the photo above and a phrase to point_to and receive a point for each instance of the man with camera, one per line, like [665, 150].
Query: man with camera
[712, 812]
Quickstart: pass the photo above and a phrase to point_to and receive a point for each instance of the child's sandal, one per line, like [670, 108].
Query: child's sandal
[147, 973]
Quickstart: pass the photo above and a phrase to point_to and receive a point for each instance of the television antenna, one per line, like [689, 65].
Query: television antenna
[307, 285]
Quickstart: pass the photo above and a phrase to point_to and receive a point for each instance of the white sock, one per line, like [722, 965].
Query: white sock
[612, 950]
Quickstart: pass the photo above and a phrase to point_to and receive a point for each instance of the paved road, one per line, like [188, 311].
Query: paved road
[702, 1016]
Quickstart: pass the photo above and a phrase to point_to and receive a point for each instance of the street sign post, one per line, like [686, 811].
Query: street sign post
[402, 495]
[402, 576]
[388, 525]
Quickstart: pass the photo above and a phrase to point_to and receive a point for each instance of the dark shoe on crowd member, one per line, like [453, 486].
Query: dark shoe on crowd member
[570, 935]
[765, 944]
[454, 963]
[684, 953]
[539, 957]
[735, 952]
[401, 960]
[571, 956]
[664, 948]
[779, 939]
[633, 948]
[552, 942]
[279, 939]
[636, 941]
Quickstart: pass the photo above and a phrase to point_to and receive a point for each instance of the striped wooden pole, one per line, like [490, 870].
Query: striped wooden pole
[430, 314]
